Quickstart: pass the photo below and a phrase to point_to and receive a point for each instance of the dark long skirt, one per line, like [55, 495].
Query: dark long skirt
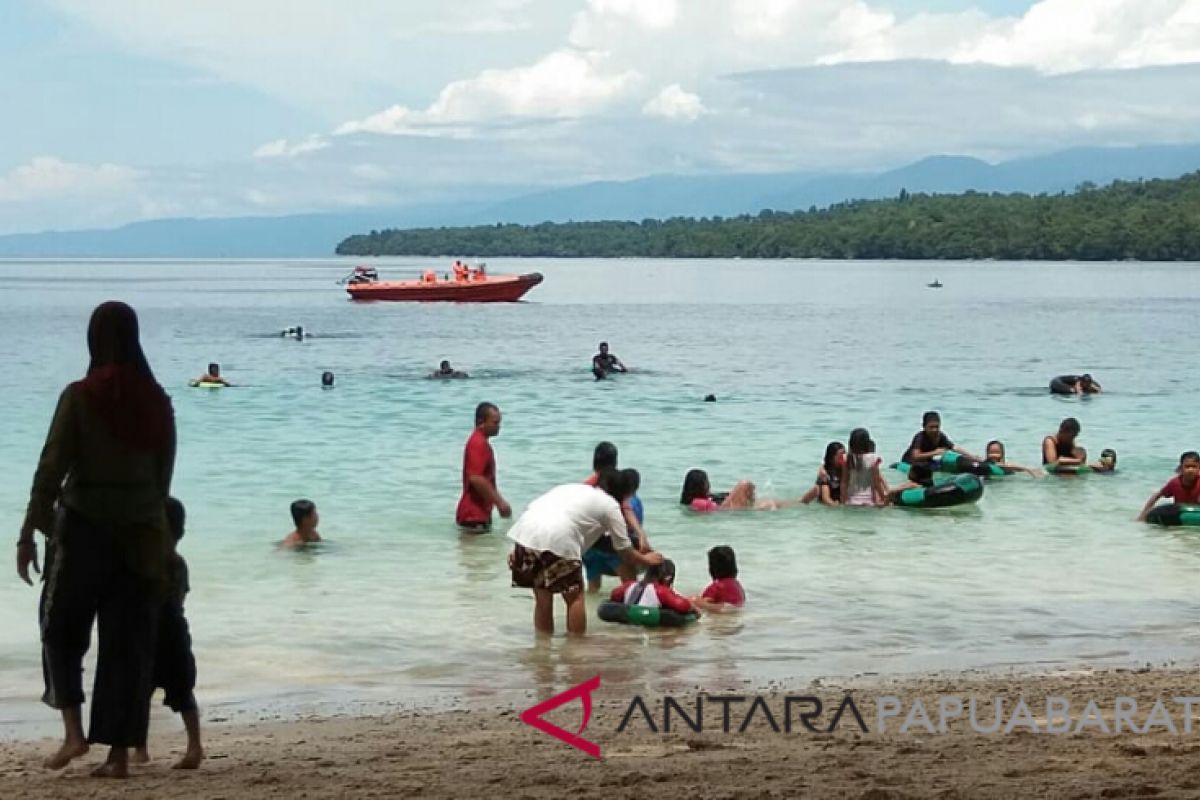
[90, 580]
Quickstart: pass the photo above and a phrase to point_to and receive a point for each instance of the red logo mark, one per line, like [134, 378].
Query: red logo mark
[533, 716]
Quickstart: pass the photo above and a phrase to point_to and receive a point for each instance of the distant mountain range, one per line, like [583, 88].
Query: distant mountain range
[657, 196]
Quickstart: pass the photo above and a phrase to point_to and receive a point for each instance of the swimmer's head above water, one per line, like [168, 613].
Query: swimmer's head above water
[327, 380]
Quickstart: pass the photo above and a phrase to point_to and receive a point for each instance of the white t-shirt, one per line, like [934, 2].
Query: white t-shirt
[568, 519]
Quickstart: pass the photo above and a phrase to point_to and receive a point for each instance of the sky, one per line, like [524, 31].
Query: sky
[121, 110]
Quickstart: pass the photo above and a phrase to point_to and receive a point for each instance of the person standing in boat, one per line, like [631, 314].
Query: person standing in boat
[480, 493]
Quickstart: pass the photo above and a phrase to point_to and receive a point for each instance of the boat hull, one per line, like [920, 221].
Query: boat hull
[493, 289]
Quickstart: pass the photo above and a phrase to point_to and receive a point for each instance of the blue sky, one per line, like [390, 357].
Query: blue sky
[128, 109]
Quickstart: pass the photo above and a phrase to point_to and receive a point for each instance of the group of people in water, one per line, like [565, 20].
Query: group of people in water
[579, 532]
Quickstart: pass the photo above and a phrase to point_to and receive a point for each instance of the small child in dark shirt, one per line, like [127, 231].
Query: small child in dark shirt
[174, 664]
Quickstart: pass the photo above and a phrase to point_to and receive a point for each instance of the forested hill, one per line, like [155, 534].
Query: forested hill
[1156, 220]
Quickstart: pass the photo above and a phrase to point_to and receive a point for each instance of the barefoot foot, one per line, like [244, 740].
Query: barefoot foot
[69, 750]
[191, 760]
[140, 756]
[111, 769]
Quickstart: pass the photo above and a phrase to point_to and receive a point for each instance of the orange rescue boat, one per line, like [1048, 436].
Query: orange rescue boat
[468, 285]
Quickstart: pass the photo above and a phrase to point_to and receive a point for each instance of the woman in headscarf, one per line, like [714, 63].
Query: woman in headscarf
[98, 496]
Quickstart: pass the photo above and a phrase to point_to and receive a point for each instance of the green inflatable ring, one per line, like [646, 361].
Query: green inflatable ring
[1173, 514]
[646, 616]
[960, 490]
[957, 464]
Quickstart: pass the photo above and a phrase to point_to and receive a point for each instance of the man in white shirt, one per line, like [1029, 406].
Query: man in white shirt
[551, 537]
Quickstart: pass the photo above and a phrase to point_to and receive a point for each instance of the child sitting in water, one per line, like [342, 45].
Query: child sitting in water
[862, 481]
[1184, 488]
[697, 496]
[828, 489]
[654, 590]
[305, 517]
[724, 590]
[995, 455]
[174, 664]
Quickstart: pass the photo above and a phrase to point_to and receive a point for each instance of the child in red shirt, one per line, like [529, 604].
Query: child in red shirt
[1184, 488]
[655, 589]
[725, 589]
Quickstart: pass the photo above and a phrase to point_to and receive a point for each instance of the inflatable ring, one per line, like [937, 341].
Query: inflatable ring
[1174, 514]
[1059, 386]
[1067, 469]
[957, 464]
[612, 611]
[962, 489]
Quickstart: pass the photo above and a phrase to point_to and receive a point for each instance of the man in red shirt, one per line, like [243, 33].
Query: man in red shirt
[480, 494]
[1184, 488]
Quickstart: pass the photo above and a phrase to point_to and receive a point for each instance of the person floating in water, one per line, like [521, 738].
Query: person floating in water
[444, 370]
[296, 333]
[1075, 384]
[326, 380]
[1184, 488]
[212, 376]
[605, 362]
[306, 519]
[996, 455]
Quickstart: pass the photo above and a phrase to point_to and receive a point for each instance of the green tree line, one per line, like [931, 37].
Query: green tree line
[1157, 220]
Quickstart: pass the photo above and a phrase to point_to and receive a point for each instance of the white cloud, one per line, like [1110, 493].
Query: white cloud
[282, 148]
[653, 14]
[565, 83]
[674, 103]
[49, 177]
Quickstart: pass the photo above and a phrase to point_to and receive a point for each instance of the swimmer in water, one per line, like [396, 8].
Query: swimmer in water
[212, 376]
[306, 519]
[995, 455]
[1075, 384]
[296, 333]
[326, 380]
[697, 495]
[444, 370]
[605, 362]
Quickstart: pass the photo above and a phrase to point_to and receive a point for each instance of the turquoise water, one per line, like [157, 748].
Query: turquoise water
[400, 607]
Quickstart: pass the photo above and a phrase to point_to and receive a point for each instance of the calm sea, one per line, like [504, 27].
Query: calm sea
[399, 608]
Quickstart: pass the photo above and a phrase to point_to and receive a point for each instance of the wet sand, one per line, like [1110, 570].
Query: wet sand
[471, 753]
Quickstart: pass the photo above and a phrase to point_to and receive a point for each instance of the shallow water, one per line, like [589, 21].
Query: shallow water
[400, 607]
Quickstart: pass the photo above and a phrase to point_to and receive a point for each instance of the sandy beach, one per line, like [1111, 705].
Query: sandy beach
[464, 753]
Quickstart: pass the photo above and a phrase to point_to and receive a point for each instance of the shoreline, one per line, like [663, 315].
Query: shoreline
[484, 747]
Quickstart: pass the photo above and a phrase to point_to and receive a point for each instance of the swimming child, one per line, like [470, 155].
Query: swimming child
[1184, 488]
[725, 590]
[697, 495]
[212, 376]
[174, 664]
[305, 517]
[862, 482]
[655, 590]
[444, 370]
[995, 455]
[828, 488]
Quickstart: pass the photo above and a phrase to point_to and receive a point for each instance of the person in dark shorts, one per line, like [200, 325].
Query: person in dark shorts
[550, 538]
[174, 664]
